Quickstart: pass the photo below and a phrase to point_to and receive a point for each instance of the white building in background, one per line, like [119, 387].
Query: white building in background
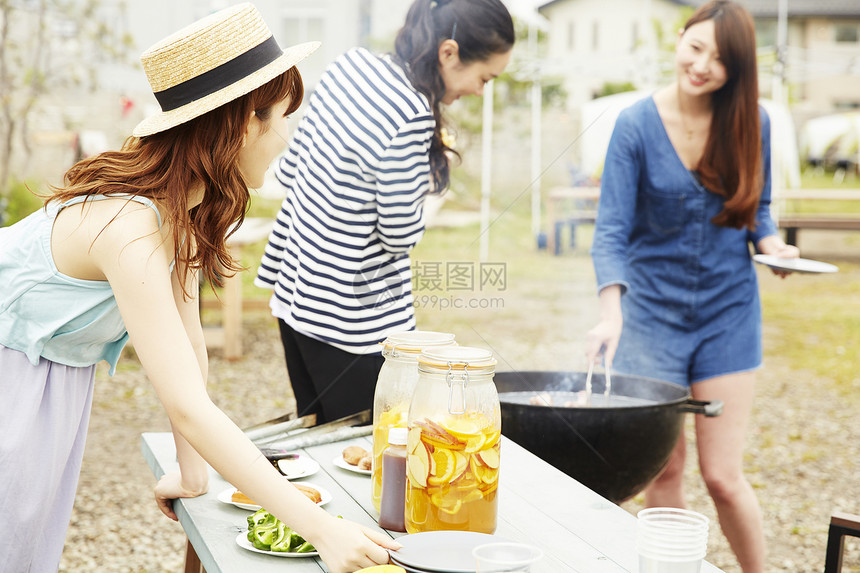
[595, 42]
[822, 53]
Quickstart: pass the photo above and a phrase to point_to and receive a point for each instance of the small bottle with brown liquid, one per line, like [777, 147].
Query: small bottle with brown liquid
[392, 506]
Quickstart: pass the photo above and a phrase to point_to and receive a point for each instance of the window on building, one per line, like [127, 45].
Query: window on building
[595, 36]
[847, 33]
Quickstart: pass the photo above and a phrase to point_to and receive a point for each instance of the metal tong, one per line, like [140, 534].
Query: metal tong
[608, 387]
[290, 434]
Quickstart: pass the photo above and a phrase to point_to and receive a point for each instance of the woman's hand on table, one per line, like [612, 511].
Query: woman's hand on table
[345, 546]
[170, 487]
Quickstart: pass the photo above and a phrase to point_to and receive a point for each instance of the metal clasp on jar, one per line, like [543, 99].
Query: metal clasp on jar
[457, 381]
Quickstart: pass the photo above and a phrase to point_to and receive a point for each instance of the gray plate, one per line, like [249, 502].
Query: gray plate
[441, 551]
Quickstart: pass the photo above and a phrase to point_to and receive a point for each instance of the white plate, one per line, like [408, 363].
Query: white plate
[226, 496]
[242, 541]
[301, 467]
[406, 567]
[341, 463]
[421, 550]
[795, 265]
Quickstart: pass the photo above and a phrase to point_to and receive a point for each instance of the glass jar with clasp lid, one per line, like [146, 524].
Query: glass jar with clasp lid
[394, 387]
[452, 450]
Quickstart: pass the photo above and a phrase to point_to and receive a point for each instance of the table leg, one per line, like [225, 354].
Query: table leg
[192, 561]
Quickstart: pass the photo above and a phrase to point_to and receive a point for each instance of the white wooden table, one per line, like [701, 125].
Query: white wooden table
[578, 530]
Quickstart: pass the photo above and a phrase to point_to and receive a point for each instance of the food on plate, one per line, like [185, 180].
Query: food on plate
[239, 497]
[452, 470]
[354, 454]
[268, 533]
[311, 493]
[291, 467]
[365, 463]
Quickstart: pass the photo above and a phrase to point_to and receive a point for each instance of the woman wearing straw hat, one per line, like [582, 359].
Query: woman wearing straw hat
[367, 152]
[114, 255]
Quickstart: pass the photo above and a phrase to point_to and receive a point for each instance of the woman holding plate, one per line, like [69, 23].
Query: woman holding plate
[685, 191]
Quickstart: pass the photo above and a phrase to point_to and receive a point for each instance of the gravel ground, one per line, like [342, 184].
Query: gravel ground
[802, 454]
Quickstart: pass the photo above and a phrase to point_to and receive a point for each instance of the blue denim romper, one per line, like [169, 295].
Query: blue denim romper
[690, 296]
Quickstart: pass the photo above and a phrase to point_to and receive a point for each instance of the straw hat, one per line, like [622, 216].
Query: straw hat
[211, 62]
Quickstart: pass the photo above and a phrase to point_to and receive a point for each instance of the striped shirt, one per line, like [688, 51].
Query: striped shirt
[356, 173]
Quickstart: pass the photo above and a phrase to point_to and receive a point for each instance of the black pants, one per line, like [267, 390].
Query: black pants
[328, 381]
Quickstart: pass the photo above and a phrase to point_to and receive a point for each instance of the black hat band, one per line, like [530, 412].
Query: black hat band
[220, 77]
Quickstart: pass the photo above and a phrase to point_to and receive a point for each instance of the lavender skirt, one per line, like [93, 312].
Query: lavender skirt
[44, 413]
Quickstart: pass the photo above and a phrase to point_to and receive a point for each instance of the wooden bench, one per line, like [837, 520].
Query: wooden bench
[575, 205]
[792, 222]
[228, 335]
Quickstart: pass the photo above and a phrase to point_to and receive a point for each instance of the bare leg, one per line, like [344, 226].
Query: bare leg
[720, 443]
[667, 490]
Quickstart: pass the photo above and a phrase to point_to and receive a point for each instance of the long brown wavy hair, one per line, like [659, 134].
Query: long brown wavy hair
[481, 29]
[164, 166]
[732, 162]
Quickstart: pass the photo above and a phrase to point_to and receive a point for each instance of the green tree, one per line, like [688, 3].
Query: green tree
[49, 45]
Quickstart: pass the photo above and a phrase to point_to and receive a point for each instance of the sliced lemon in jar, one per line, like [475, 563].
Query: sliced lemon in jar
[463, 428]
[492, 438]
[475, 443]
[487, 475]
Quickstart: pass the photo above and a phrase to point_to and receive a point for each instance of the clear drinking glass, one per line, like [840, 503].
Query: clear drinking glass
[671, 540]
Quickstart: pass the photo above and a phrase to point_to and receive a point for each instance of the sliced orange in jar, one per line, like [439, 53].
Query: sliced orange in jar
[445, 465]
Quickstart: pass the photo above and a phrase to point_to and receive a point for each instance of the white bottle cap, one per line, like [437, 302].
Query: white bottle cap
[397, 436]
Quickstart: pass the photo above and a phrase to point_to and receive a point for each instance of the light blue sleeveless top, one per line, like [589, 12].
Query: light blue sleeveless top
[44, 313]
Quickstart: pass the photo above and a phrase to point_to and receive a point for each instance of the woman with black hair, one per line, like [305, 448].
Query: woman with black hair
[367, 152]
